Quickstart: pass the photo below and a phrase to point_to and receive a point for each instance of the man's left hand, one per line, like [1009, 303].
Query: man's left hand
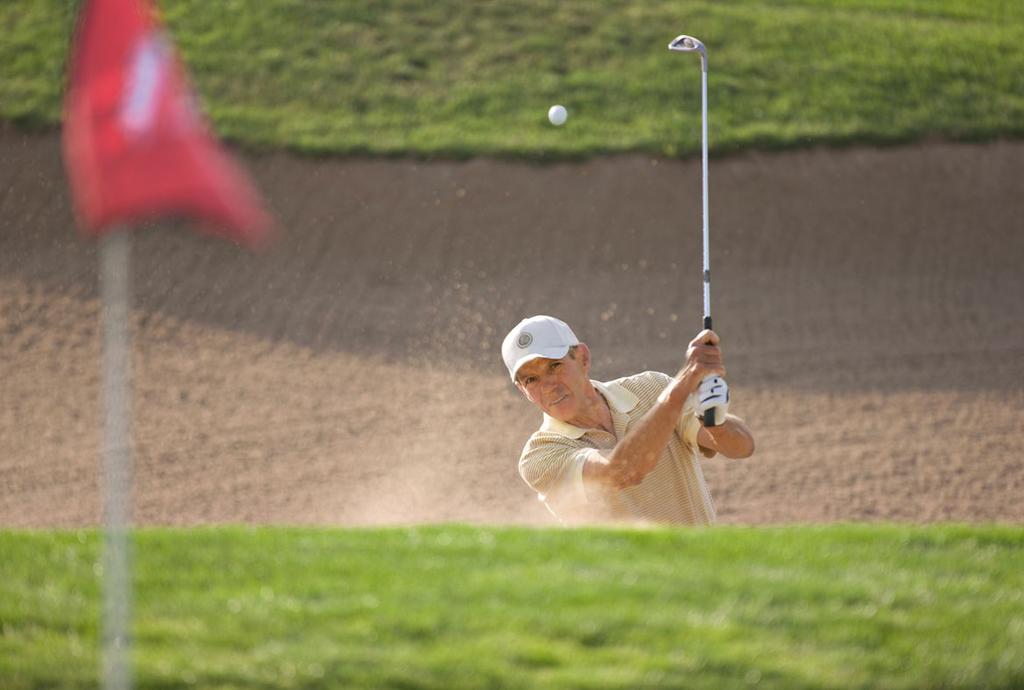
[713, 393]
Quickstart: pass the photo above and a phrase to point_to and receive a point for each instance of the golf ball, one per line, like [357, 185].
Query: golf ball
[557, 114]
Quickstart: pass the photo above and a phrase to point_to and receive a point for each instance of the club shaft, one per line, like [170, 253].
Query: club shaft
[704, 184]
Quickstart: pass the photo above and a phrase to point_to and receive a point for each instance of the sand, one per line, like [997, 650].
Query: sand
[870, 304]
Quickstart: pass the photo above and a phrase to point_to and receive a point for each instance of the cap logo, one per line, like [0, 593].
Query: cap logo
[524, 340]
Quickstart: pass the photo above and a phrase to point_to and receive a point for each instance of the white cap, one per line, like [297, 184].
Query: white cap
[536, 337]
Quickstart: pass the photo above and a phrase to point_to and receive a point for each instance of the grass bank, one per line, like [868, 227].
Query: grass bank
[452, 607]
[462, 79]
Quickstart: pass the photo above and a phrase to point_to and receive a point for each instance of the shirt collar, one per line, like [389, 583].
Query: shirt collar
[619, 400]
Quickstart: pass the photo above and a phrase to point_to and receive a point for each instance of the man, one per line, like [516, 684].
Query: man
[625, 449]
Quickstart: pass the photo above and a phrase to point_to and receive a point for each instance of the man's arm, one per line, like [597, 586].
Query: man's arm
[733, 439]
[637, 453]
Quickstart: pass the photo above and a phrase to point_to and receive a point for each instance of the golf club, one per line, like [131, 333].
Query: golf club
[688, 44]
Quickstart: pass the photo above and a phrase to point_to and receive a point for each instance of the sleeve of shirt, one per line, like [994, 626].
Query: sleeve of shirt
[688, 424]
[553, 468]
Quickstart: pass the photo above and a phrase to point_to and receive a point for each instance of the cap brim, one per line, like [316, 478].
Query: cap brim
[549, 353]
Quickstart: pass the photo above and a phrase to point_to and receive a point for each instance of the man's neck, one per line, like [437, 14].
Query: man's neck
[596, 413]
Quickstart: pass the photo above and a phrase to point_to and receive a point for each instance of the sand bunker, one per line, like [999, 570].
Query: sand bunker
[871, 305]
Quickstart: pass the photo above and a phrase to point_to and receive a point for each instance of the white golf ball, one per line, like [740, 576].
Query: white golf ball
[557, 114]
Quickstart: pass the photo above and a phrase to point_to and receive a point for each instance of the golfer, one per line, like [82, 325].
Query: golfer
[623, 449]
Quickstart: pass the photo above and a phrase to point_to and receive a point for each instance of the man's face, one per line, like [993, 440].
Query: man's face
[557, 386]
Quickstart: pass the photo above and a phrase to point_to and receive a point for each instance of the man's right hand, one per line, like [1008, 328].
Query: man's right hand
[703, 359]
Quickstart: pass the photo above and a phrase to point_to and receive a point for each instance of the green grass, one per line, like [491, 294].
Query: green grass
[454, 78]
[453, 607]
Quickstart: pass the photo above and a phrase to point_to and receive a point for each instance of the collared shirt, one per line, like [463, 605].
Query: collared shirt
[673, 492]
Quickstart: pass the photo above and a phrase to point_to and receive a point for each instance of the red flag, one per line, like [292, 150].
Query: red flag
[135, 144]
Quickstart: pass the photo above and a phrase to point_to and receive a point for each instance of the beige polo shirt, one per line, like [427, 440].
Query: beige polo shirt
[673, 492]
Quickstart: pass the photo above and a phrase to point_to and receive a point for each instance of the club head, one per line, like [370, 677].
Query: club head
[687, 44]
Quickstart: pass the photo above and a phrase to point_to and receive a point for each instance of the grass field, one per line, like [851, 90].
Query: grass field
[452, 607]
[461, 79]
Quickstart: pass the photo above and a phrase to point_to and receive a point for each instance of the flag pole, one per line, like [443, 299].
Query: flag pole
[115, 249]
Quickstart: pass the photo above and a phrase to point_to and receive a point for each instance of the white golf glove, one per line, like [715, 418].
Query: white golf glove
[713, 396]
